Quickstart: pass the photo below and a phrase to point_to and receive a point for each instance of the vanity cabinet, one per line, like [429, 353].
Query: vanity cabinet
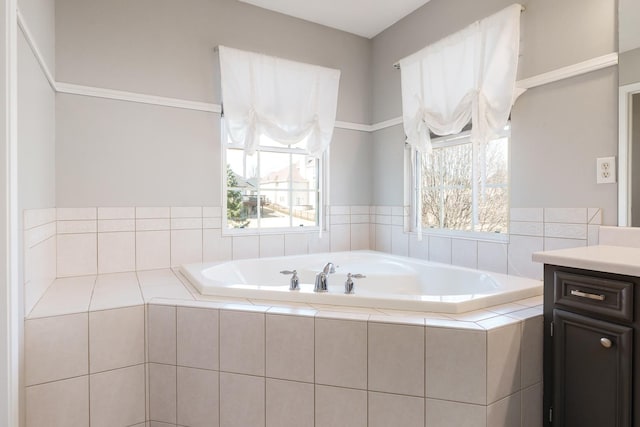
[590, 351]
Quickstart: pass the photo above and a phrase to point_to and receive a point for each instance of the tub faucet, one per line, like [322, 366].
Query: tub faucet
[321, 278]
[329, 268]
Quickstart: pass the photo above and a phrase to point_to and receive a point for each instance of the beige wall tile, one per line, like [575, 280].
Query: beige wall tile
[162, 392]
[519, 260]
[532, 406]
[153, 250]
[216, 247]
[117, 398]
[245, 247]
[341, 353]
[242, 342]
[153, 212]
[396, 359]
[531, 352]
[296, 244]
[116, 213]
[39, 271]
[395, 410]
[186, 246]
[65, 296]
[116, 338]
[340, 237]
[440, 249]
[443, 413]
[198, 397]
[360, 236]
[58, 404]
[77, 254]
[289, 404]
[503, 361]
[198, 337]
[492, 257]
[242, 400]
[161, 333]
[464, 253]
[56, 348]
[116, 252]
[456, 365]
[505, 412]
[340, 407]
[76, 213]
[116, 290]
[290, 347]
[271, 245]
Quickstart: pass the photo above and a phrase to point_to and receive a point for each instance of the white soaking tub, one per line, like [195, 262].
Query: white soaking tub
[392, 282]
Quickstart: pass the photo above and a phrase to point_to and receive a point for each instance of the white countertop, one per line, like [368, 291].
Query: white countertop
[609, 259]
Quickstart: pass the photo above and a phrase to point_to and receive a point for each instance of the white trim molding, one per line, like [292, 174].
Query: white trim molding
[352, 126]
[119, 95]
[28, 35]
[528, 83]
[574, 70]
[625, 110]
[9, 236]
[386, 124]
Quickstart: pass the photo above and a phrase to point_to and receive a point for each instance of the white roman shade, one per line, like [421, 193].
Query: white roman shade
[469, 75]
[287, 101]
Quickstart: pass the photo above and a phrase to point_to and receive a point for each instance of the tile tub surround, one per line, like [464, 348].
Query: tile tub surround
[530, 230]
[39, 241]
[184, 362]
[68, 242]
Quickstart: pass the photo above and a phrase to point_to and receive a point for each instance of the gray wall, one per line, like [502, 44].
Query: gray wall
[36, 132]
[40, 17]
[117, 153]
[629, 67]
[558, 129]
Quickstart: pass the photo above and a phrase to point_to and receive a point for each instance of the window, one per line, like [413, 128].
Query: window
[277, 187]
[464, 186]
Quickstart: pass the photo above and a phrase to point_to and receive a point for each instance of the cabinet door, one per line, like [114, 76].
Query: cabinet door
[592, 372]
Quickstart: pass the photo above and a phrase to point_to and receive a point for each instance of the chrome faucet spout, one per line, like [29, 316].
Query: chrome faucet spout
[329, 268]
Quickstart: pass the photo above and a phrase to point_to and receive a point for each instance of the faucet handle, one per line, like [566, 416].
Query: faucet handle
[294, 284]
[348, 284]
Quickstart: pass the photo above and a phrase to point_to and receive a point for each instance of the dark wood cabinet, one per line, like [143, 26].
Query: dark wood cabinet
[590, 351]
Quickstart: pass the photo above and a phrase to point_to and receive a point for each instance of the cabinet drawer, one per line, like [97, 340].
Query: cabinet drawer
[598, 296]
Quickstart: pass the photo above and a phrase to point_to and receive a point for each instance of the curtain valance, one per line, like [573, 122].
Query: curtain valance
[469, 75]
[289, 102]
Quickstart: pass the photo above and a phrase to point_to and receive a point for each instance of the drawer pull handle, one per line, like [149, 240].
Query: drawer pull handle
[577, 293]
[606, 342]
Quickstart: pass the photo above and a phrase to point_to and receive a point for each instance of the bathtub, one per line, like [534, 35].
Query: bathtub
[392, 282]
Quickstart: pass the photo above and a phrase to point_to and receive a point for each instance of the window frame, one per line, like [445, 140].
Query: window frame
[322, 177]
[413, 175]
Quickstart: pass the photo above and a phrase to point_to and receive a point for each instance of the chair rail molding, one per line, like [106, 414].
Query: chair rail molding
[562, 73]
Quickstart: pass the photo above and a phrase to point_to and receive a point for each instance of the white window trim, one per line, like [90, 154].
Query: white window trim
[323, 184]
[412, 197]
